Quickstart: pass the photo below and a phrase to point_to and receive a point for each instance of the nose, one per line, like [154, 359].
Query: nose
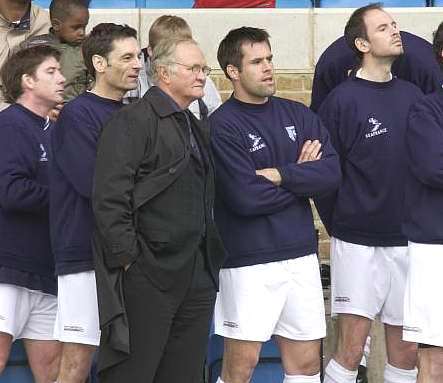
[201, 74]
[268, 66]
[62, 79]
[138, 63]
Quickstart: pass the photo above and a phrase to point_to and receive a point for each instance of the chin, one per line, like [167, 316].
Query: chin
[198, 95]
[131, 85]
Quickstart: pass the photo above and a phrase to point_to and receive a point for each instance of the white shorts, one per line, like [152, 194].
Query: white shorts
[279, 298]
[423, 301]
[368, 280]
[77, 315]
[25, 313]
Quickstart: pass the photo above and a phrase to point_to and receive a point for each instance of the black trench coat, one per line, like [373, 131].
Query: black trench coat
[142, 152]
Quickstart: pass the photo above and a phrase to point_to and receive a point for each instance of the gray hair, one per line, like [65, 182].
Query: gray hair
[163, 55]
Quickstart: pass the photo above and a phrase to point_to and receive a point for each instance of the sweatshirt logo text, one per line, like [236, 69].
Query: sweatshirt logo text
[376, 128]
[256, 143]
[43, 154]
[291, 132]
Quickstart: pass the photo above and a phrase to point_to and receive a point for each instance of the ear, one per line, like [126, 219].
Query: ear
[362, 45]
[164, 74]
[27, 82]
[100, 63]
[233, 72]
[56, 24]
[149, 49]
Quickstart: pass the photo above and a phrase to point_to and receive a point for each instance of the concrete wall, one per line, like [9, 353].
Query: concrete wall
[298, 36]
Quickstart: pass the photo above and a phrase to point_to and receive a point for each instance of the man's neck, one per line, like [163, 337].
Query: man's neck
[13, 10]
[36, 106]
[376, 70]
[104, 90]
[241, 95]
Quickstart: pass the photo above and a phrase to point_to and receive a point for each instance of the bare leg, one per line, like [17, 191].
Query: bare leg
[299, 357]
[239, 360]
[75, 363]
[5, 349]
[352, 333]
[430, 366]
[43, 358]
[401, 354]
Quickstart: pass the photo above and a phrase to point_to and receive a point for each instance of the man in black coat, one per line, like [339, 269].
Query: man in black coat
[157, 250]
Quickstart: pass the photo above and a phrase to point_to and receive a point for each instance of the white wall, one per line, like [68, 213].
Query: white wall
[298, 36]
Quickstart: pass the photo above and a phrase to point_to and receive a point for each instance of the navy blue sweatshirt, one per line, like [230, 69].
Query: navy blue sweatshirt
[367, 123]
[24, 199]
[424, 192]
[417, 65]
[258, 221]
[74, 145]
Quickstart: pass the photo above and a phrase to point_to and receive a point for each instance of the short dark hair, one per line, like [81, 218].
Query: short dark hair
[100, 41]
[438, 44]
[230, 49]
[25, 61]
[356, 28]
[61, 9]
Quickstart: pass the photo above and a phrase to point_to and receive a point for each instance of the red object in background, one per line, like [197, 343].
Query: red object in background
[234, 4]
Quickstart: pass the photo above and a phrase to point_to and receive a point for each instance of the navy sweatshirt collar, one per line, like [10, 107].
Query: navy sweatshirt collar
[374, 84]
[103, 100]
[257, 108]
[41, 121]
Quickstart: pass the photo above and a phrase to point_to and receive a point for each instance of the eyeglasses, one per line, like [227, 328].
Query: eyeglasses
[196, 69]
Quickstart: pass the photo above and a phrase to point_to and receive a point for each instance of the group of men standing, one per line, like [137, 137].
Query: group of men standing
[143, 204]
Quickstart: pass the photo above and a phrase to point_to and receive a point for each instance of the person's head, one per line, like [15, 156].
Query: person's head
[112, 56]
[372, 31]
[438, 44]
[34, 73]
[168, 27]
[179, 69]
[246, 59]
[69, 19]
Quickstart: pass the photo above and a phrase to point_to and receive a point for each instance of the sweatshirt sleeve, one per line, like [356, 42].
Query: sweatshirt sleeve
[313, 178]
[120, 150]
[74, 146]
[237, 183]
[425, 143]
[329, 114]
[18, 162]
[320, 89]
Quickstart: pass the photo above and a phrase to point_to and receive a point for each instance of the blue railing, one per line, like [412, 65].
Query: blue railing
[156, 4]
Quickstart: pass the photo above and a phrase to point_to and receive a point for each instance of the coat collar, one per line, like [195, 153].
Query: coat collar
[162, 103]
[164, 106]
